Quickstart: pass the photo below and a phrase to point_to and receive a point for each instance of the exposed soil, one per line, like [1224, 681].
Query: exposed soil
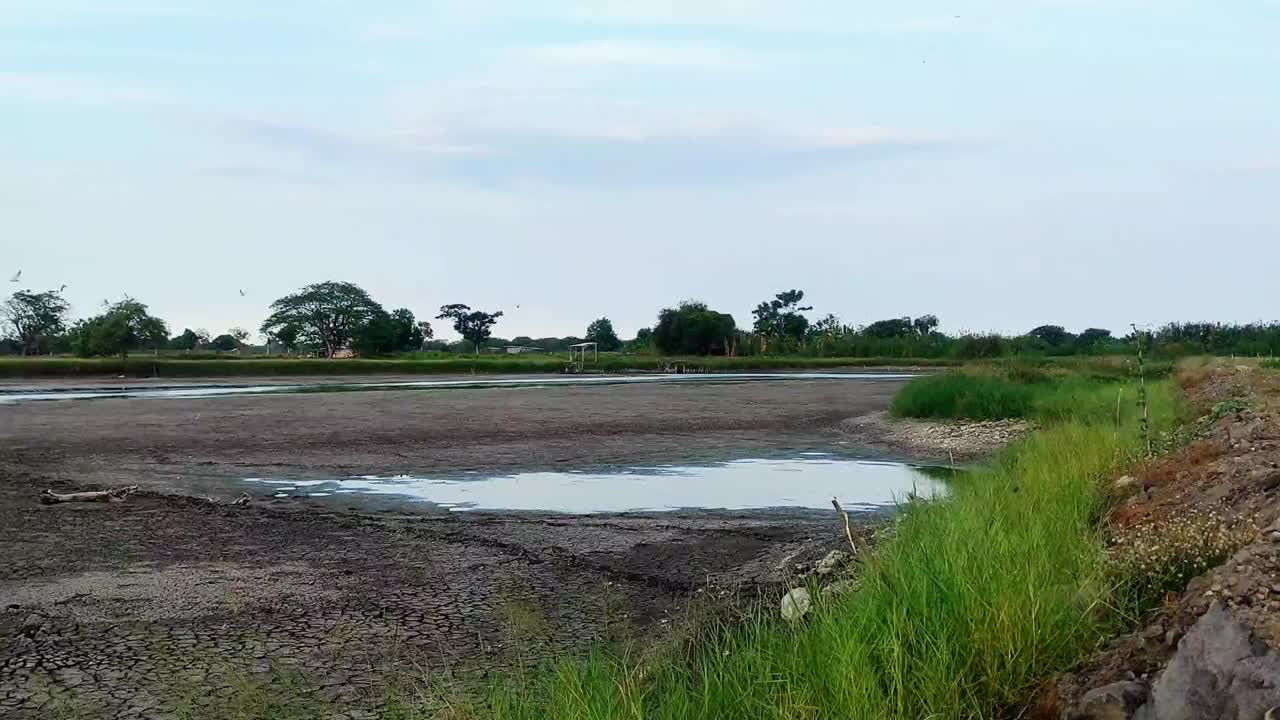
[1228, 478]
[134, 608]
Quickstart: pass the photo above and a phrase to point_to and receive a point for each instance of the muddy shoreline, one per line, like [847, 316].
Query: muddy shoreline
[112, 609]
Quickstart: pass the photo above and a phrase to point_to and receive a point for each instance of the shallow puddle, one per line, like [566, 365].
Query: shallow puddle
[807, 480]
[9, 397]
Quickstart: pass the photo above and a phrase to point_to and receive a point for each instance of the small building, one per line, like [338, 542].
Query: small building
[521, 349]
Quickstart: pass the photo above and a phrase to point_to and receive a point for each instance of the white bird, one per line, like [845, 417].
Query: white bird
[16, 276]
[241, 293]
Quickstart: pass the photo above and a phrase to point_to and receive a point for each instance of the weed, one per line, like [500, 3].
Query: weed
[1150, 560]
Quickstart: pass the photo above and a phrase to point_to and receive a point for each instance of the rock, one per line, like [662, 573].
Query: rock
[841, 587]
[1266, 479]
[1124, 482]
[832, 562]
[795, 604]
[31, 624]
[1117, 701]
[1218, 671]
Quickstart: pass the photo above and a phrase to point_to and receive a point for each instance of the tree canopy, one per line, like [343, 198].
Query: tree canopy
[125, 326]
[601, 333]
[188, 340]
[693, 329]
[35, 317]
[780, 317]
[474, 325]
[225, 342]
[1051, 335]
[327, 315]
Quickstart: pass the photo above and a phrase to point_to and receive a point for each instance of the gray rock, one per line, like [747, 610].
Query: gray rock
[832, 562]
[1124, 482]
[795, 604]
[1219, 671]
[1117, 701]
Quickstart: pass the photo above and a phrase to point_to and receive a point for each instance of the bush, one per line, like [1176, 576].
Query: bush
[1151, 560]
[966, 396]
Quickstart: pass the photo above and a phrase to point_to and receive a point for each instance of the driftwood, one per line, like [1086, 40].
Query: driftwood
[242, 500]
[49, 497]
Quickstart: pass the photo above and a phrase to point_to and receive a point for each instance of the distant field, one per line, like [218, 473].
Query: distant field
[148, 366]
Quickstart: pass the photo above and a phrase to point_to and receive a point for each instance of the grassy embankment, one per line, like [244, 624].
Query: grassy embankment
[963, 612]
[177, 367]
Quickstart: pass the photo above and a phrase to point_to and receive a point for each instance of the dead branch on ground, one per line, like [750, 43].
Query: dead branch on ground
[49, 497]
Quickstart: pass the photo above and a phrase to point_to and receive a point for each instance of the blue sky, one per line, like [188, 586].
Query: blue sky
[1001, 163]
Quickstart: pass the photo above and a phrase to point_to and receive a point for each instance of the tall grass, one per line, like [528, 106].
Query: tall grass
[997, 392]
[962, 613]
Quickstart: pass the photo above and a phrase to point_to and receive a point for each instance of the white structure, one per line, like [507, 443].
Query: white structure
[580, 352]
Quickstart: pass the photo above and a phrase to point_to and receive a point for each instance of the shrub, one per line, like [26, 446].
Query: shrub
[1153, 559]
[963, 395]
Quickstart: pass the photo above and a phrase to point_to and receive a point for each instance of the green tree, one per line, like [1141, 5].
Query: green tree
[125, 326]
[1052, 335]
[891, 328]
[925, 325]
[409, 333]
[693, 329]
[287, 336]
[601, 332]
[327, 315]
[225, 342]
[240, 334]
[188, 340]
[34, 318]
[377, 336]
[781, 318]
[1091, 338]
[474, 325]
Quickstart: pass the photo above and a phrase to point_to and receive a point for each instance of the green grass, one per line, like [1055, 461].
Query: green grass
[963, 612]
[964, 395]
[1020, 390]
[148, 366]
[1272, 364]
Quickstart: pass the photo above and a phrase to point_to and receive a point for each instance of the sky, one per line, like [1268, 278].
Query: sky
[999, 163]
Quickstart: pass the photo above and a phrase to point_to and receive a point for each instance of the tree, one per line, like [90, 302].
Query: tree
[925, 325]
[891, 328]
[474, 325]
[287, 336]
[693, 329]
[377, 336]
[327, 315]
[188, 340]
[829, 325]
[125, 326]
[409, 334]
[35, 317]
[601, 333]
[225, 342]
[780, 317]
[1091, 338]
[240, 335]
[1051, 335]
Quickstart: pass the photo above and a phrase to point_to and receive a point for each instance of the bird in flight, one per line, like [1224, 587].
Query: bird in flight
[16, 276]
[241, 293]
[64, 287]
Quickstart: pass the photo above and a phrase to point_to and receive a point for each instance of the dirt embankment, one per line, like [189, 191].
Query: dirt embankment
[1213, 649]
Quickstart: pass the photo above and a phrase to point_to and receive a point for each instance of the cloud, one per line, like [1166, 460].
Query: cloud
[79, 90]
[613, 52]
[620, 146]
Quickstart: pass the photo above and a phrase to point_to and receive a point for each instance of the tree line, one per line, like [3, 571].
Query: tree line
[335, 318]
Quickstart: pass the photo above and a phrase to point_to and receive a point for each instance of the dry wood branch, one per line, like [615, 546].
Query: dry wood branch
[49, 497]
[848, 531]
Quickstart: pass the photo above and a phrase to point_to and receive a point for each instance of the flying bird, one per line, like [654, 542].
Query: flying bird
[64, 287]
[16, 276]
[241, 293]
